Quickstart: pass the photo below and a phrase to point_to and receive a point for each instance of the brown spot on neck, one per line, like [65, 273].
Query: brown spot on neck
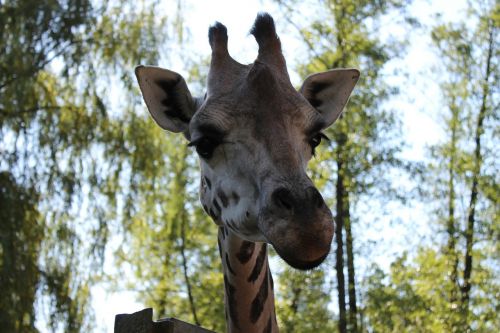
[259, 263]
[259, 301]
[245, 252]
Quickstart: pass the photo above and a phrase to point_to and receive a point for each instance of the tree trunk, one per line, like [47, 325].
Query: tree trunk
[353, 312]
[471, 218]
[451, 222]
[339, 266]
[343, 206]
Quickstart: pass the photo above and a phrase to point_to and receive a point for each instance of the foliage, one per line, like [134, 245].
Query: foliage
[451, 284]
[414, 296]
[83, 171]
[365, 141]
[173, 248]
[302, 297]
[56, 129]
[20, 236]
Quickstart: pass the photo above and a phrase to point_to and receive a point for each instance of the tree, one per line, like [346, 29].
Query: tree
[20, 237]
[82, 164]
[471, 95]
[404, 301]
[303, 302]
[451, 281]
[364, 142]
[414, 296]
[58, 137]
[173, 248]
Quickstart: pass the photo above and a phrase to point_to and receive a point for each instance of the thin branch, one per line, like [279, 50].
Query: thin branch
[36, 109]
[471, 218]
[310, 46]
[184, 267]
[40, 66]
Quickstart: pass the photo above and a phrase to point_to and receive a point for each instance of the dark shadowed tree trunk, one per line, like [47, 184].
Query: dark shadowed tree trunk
[351, 284]
[342, 216]
[471, 217]
[451, 227]
[343, 208]
[339, 220]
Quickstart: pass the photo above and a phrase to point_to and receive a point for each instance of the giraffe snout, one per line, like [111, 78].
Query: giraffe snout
[299, 225]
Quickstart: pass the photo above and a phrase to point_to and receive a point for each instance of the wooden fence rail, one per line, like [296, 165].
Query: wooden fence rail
[142, 322]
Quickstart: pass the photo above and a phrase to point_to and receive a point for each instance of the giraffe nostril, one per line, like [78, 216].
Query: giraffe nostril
[283, 198]
[315, 197]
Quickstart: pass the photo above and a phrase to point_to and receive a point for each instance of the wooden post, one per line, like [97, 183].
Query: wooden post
[142, 322]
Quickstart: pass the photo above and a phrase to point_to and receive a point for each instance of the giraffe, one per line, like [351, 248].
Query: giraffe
[254, 134]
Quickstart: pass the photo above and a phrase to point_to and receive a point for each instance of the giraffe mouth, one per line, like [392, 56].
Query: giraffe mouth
[303, 265]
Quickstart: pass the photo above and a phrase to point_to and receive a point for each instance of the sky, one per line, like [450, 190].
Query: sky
[418, 103]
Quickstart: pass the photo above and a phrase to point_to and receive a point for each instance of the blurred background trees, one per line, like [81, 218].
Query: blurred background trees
[87, 181]
[365, 141]
[452, 284]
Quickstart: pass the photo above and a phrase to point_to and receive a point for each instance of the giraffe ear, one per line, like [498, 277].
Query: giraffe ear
[167, 97]
[329, 91]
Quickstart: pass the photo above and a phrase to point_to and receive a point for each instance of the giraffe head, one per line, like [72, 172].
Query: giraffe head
[254, 134]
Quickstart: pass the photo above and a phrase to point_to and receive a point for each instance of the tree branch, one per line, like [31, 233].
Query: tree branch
[471, 218]
[184, 267]
[36, 109]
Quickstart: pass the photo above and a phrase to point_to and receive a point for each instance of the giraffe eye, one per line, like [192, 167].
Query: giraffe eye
[315, 140]
[205, 146]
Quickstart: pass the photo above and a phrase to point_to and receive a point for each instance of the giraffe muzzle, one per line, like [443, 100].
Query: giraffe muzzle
[299, 225]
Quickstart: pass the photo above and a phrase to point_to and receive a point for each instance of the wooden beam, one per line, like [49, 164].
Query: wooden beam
[142, 322]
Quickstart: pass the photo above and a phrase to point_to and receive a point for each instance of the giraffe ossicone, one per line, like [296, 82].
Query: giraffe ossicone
[254, 134]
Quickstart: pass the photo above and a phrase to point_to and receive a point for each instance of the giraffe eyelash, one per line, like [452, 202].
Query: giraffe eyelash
[315, 141]
[205, 146]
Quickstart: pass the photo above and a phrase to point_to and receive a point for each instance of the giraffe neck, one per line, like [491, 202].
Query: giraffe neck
[249, 289]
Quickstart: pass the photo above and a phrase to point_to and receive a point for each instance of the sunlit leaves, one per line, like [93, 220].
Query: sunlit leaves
[302, 296]
[59, 136]
[414, 296]
[460, 168]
